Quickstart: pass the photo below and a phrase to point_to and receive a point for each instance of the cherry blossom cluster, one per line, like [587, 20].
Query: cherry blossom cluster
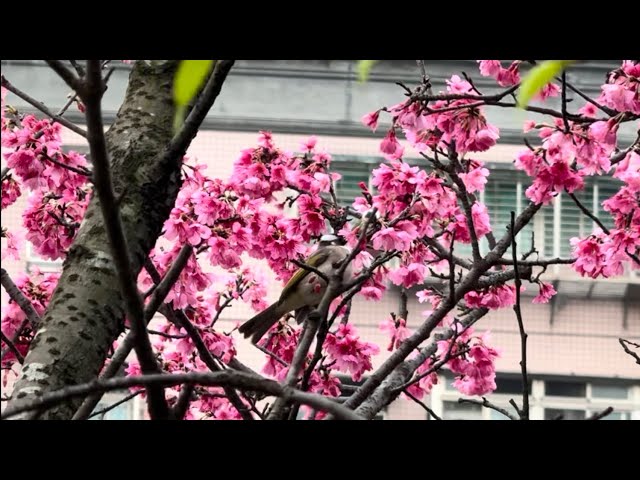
[58, 196]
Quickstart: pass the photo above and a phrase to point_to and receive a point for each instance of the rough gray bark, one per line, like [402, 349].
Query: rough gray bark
[86, 311]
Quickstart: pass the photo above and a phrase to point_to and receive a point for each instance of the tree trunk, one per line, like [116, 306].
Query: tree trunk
[86, 311]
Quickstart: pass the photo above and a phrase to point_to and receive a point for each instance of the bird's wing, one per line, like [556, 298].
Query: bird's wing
[315, 260]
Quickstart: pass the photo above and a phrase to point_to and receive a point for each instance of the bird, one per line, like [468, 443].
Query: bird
[304, 290]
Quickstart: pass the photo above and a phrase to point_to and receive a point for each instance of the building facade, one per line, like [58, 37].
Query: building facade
[576, 364]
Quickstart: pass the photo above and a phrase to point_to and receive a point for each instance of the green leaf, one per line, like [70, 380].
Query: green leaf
[189, 78]
[363, 68]
[538, 77]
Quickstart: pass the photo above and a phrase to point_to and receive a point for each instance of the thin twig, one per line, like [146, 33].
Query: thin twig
[310, 268]
[167, 335]
[85, 172]
[564, 102]
[486, 403]
[17, 296]
[602, 414]
[13, 348]
[67, 75]
[606, 110]
[623, 342]
[181, 141]
[116, 404]
[40, 106]
[524, 413]
[230, 378]
[171, 277]
[271, 354]
[422, 404]
[16, 336]
[586, 211]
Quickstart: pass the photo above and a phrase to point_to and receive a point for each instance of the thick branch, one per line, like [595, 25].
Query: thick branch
[382, 395]
[67, 75]
[389, 389]
[181, 141]
[218, 379]
[183, 402]
[111, 212]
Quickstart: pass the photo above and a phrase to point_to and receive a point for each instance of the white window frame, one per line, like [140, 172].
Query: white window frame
[539, 401]
[32, 259]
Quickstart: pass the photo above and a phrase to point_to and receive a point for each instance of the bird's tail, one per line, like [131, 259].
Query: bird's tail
[257, 326]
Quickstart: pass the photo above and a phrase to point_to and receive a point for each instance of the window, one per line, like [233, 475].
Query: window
[609, 391]
[452, 410]
[353, 172]
[565, 389]
[511, 386]
[504, 193]
[564, 414]
[35, 260]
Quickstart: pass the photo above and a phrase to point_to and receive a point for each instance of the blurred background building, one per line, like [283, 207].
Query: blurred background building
[576, 364]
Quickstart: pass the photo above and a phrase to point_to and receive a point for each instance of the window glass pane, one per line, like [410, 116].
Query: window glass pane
[609, 391]
[574, 223]
[554, 413]
[501, 197]
[121, 412]
[461, 411]
[493, 415]
[510, 385]
[565, 389]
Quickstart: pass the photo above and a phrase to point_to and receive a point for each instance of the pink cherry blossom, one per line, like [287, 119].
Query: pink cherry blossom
[475, 180]
[396, 328]
[390, 147]
[350, 354]
[371, 120]
[423, 386]
[546, 292]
